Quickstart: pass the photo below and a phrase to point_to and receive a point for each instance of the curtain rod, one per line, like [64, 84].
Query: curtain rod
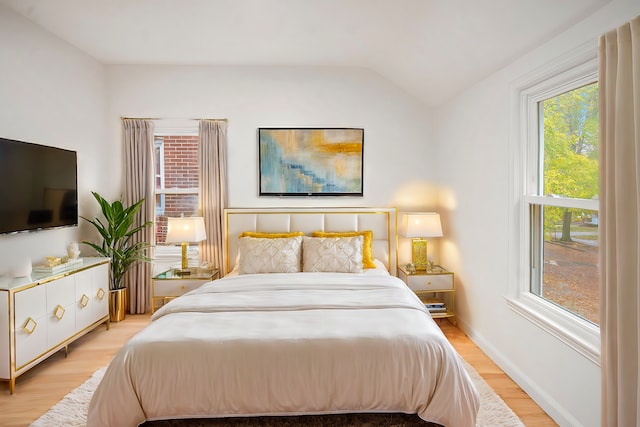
[166, 118]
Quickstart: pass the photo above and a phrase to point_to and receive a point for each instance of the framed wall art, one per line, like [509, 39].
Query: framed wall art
[310, 161]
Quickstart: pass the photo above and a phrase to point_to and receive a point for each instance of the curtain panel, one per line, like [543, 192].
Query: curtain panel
[213, 188]
[138, 184]
[619, 109]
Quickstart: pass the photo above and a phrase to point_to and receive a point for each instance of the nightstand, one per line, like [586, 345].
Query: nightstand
[169, 285]
[435, 288]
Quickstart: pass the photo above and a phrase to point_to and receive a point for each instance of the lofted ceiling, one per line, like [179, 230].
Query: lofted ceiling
[433, 49]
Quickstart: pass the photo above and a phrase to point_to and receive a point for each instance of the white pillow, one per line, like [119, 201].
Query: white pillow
[332, 254]
[260, 255]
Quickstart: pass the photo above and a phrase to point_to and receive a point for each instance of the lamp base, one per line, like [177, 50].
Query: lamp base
[182, 272]
[419, 254]
[185, 260]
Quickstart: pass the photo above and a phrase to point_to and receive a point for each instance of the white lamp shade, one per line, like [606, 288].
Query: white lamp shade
[423, 224]
[189, 229]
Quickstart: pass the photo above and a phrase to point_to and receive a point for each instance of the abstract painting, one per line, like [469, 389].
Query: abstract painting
[310, 162]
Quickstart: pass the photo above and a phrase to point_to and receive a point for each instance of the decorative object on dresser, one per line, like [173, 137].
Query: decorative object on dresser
[73, 250]
[184, 230]
[171, 284]
[419, 226]
[311, 162]
[434, 287]
[22, 268]
[116, 244]
[43, 313]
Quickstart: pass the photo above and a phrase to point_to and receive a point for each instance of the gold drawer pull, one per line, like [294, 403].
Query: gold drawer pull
[84, 300]
[429, 282]
[100, 294]
[29, 325]
[182, 287]
[59, 312]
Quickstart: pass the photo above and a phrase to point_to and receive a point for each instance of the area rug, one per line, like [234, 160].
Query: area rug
[71, 411]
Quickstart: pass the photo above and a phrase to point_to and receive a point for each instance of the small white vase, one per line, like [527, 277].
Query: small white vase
[22, 268]
[73, 250]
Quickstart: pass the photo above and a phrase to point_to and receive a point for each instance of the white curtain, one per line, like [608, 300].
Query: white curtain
[619, 105]
[213, 188]
[138, 184]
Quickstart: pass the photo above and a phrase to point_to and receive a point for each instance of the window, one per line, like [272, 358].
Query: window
[159, 175]
[553, 268]
[563, 203]
[176, 179]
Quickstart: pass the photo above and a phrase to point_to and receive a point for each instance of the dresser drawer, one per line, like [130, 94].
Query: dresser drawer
[31, 339]
[431, 282]
[175, 288]
[61, 324]
[31, 302]
[60, 292]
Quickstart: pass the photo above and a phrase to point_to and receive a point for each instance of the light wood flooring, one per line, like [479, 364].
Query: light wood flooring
[43, 386]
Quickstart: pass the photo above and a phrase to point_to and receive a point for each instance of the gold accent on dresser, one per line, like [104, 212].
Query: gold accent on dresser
[30, 325]
[58, 313]
[84, 300]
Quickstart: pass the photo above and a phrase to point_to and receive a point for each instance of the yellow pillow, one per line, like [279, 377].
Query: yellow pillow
[367, 250]
[271, 235]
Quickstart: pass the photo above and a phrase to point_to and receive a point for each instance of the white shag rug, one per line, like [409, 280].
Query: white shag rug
[71, 411]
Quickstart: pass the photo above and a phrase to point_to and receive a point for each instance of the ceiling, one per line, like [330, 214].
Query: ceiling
[433, 49]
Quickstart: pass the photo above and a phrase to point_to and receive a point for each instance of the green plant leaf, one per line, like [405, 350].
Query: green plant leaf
[116, 232]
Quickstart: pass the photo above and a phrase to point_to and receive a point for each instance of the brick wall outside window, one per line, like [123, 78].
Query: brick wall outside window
[180, 161]
[180, 171]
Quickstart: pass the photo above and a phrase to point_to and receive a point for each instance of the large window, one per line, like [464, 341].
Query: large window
[553, 268]
[176, 179]
[563, 203]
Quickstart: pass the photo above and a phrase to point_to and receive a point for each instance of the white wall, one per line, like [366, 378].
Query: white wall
[473, 134]
[51, 94]
[398, 144]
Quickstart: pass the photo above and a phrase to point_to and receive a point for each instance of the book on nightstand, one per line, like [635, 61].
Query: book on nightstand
[434, 305]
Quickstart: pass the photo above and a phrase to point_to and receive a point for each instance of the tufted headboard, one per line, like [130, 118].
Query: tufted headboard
[382, 221]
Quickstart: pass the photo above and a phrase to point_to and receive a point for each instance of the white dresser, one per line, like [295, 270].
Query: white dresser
[42, 313]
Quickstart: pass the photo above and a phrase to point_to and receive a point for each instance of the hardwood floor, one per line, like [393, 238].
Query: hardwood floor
[526, 409]
[43, 386]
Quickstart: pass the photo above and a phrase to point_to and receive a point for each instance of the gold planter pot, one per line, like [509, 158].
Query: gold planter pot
[118, 302]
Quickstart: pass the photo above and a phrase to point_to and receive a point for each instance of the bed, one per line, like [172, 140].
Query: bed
[333, 338]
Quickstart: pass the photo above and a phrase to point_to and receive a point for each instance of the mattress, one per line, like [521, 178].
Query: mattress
[288, 344]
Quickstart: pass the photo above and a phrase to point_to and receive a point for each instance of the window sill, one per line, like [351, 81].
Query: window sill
[580, 335]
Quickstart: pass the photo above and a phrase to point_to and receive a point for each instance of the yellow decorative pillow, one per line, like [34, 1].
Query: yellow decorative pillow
[367, 249]
[258, 235]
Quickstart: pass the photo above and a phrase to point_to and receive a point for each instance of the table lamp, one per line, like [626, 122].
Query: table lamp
[419, 226]
[185, 230]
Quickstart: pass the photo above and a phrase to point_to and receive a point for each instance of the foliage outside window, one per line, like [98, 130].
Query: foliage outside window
[563, 203]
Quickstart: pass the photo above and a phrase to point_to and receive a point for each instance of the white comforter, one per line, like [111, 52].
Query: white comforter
[287, 344]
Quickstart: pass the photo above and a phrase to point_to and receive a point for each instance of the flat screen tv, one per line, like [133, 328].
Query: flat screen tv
[38, 187]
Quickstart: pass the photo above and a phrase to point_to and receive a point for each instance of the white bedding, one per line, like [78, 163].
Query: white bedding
[288, 344]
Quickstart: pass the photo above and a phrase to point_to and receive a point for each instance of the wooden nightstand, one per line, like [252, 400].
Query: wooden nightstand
[169, 285]
[435, 288]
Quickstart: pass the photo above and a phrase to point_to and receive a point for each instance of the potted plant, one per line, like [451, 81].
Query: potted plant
[116, 232]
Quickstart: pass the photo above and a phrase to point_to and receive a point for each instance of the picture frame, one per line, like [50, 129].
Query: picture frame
[311, 161]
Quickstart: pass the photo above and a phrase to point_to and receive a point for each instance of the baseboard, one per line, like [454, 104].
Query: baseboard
[550, 405]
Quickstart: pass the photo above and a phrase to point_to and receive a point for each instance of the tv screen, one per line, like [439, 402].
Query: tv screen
[38, 186]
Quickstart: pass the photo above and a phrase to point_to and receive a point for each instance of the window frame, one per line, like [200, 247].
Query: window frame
[564, 74]
[159, 145]
[173, 127]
